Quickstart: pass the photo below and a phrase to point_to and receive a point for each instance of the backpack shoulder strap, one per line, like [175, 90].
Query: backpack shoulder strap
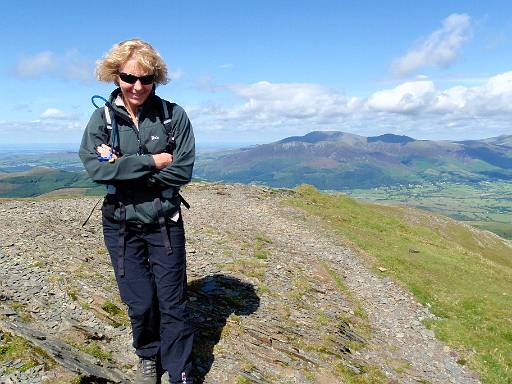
[108, 118]
[167, 108]
[110, 121]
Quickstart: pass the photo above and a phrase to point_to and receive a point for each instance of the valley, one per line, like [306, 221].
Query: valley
[470, 181]
[485, 205]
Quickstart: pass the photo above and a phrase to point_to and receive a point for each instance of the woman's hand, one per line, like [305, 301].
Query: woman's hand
[104, 151]
[162, 160]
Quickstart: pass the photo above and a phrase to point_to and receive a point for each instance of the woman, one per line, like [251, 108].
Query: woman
[152, 156]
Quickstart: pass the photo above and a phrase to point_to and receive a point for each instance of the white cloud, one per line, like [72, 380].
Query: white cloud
[265, 111]
[41, 131]
[206, 83]
[70, 66]
[499, 84]
[36, 65]
[439, 50]
[176, 74]
[419, 109]
[265, 100]
[451, 99]
[408, 97]
[57, 114]
[493, 97]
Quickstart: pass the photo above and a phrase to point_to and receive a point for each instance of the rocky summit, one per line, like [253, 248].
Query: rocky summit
[274, 296]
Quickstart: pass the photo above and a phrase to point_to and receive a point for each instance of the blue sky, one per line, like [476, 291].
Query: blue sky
[259, 71]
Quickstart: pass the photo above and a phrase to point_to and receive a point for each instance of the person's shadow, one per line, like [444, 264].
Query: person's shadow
[212, 300]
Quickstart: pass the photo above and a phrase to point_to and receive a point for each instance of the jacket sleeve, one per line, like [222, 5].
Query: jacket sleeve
[179, 172]
[128, 167]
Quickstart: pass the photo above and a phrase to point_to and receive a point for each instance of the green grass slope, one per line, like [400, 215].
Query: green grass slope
[39, 181]
[463, 274]
[486, 205]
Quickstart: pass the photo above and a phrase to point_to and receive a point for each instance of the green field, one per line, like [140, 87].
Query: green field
[25, 161]
[39, 181]
[486, 205]
[462, 274]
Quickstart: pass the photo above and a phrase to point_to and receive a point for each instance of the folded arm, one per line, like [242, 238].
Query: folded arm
[127, 167]
[179, 172]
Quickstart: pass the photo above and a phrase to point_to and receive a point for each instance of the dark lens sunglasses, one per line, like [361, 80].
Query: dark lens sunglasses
[132, 79]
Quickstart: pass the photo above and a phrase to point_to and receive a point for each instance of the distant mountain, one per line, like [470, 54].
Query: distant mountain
[500, 140]
[390, 138]
[339, 161]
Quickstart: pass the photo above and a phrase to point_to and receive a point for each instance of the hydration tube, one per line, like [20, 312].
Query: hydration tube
[108, 158]
[98, 97]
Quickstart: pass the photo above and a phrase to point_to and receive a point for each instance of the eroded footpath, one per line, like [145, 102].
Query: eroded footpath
[274, 298]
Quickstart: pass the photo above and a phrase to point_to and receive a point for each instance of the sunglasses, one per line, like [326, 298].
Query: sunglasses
[132, 79]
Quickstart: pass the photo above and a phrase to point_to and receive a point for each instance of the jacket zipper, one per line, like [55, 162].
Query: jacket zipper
[134, 128]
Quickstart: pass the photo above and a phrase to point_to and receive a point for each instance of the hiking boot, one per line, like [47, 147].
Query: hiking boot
[165, 379]
[184, 379]
[146, 371]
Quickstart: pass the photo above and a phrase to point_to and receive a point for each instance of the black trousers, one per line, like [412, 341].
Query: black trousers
[153, 286]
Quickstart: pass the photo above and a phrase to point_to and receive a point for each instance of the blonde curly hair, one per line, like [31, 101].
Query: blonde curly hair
[107, 69]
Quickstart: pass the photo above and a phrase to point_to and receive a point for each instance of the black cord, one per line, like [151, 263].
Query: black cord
[92, 210]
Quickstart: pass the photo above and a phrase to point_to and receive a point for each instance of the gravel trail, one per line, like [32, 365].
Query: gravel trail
[263, 298]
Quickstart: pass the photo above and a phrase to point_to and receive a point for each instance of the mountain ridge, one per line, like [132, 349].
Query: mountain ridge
[335, 160]
[275, 296]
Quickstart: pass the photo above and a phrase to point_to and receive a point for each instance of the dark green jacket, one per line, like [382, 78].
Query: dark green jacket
[136, 180]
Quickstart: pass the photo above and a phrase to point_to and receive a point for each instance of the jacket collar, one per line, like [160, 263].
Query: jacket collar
[116, 99]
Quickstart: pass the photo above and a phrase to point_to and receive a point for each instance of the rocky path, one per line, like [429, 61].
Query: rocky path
[274, 297]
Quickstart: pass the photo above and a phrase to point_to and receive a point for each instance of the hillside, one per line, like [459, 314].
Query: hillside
[333, 160]
[278, 293]
[40, 180]
[467, 180]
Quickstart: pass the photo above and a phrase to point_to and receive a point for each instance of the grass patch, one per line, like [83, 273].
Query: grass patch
[21, 310]
[261, 254]
[16, 347]
[95, 350]
[243, 380]
[464, 275]
[37, 264]
[261, 238]
[117, 316]
[262, 289]
[247, 267]
[261, 242]
[111, 308]
[367, 374]
[486, 205]
[73, 294]
[101, 251]
[362, 327]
